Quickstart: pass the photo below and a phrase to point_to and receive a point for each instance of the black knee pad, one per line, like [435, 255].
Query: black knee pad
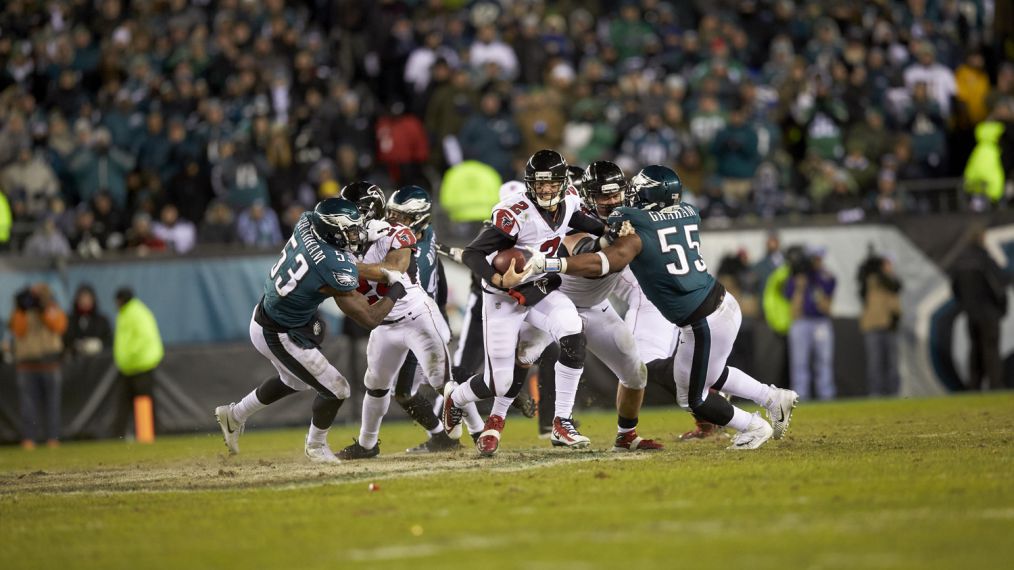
[379, 393]
[572, 350]
[713, 408]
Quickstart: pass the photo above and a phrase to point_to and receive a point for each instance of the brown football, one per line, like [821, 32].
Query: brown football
[502, 261]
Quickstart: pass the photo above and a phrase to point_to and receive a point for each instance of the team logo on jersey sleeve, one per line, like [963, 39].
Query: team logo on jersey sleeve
[345, 279]
[405, 237]
[504, 221]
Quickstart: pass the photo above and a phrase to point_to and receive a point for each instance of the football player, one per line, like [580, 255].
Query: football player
[658, 239]
[317, 262]
[411, 207]
[603, 188]
[656, 340]
[539, 219]
[414, 324]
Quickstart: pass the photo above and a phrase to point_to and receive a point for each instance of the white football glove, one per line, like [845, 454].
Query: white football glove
[376, 229]
[626, 229]
[392, 276]
[538, 263]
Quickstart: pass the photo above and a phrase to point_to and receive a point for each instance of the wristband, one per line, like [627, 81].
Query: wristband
[395, 291]
[605, 263]
[556, 265]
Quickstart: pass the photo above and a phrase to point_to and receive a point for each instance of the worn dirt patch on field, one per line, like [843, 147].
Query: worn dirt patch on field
[246, 472]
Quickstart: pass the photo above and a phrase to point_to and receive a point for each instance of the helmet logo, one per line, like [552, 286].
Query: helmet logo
[642, 180]
[544, 175]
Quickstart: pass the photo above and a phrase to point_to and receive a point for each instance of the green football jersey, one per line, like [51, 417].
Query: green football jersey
[426, 262]
[292, 289]
[669, 268]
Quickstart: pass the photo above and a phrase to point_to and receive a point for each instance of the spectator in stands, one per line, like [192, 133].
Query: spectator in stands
[88, 330]
[810, 289]
[451, 104]
[137, 351]
[31, 179]
[939, 79]
[240, 176]
[101, 167]
[179, 234]
[822, 114]
[491, 136]
[38, 323]
[190, 190]
[980, 290]
[540, 118]
[47, 241]
[154, 148]
[402, 145]
[886, 200]
[218, 227]
[491, 58]
[737, 156]
[651, 142]
[925, 123]
[109, 223]
[141, 238]
[258, 226]
[84, 241]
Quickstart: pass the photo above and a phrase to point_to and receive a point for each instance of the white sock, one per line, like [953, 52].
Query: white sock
[500, 406]
[473, 419]
[624, 430]
[374, 409]
[438, 429]
[317, 435]
[247, 407]
[740, 418]
[438, 404]
[567, 379]
[463, 395]
[741, 384]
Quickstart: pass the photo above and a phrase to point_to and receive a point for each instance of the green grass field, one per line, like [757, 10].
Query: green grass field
[884, 484]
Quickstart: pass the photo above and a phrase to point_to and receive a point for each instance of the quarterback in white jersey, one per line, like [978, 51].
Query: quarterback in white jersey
[414, 324]
[603, 186]
[538, 220]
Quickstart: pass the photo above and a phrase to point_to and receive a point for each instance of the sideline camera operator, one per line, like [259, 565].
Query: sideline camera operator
[38, 324]
[810, 289]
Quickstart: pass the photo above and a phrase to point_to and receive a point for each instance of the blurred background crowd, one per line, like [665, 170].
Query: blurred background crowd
[161, 125]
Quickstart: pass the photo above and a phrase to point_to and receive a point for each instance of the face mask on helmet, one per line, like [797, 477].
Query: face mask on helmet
[545, 190]
[339, 225]
[606, 199]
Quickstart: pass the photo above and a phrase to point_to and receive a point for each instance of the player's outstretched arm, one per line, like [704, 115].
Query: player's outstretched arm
[612, 259]
[395, 260]
[356, 307]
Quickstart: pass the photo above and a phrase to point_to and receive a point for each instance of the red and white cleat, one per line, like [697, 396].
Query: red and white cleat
[704, 430]
[489, 439]
[452, 414]
[565, 434]
[630, 441]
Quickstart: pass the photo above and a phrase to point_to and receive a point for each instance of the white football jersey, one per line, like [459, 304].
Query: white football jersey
[397, 237]
[587, 292]
[518, 217]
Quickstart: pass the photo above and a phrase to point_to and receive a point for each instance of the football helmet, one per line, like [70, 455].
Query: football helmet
[546, 178]
[337, 221]
[603, 188]
[368, 197]
[410, 206]
[575, 173]
[655, 187]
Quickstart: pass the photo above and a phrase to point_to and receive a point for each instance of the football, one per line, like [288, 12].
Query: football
[502, 261]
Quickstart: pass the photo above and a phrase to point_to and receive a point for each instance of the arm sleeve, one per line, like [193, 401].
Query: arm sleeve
[489, 240]
[582, 222]
[441, 287]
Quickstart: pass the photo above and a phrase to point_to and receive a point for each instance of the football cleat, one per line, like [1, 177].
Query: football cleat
[356, 451]
[452, 414]
[779, 410]
[231, 427]
[437, 442]
[630, 441]
[703, 430]
[565, 434]
[319, 453]
[489, 439]
[753, 436]
[525, 404]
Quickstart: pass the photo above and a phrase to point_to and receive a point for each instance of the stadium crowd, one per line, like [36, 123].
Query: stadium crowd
[164, 124]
